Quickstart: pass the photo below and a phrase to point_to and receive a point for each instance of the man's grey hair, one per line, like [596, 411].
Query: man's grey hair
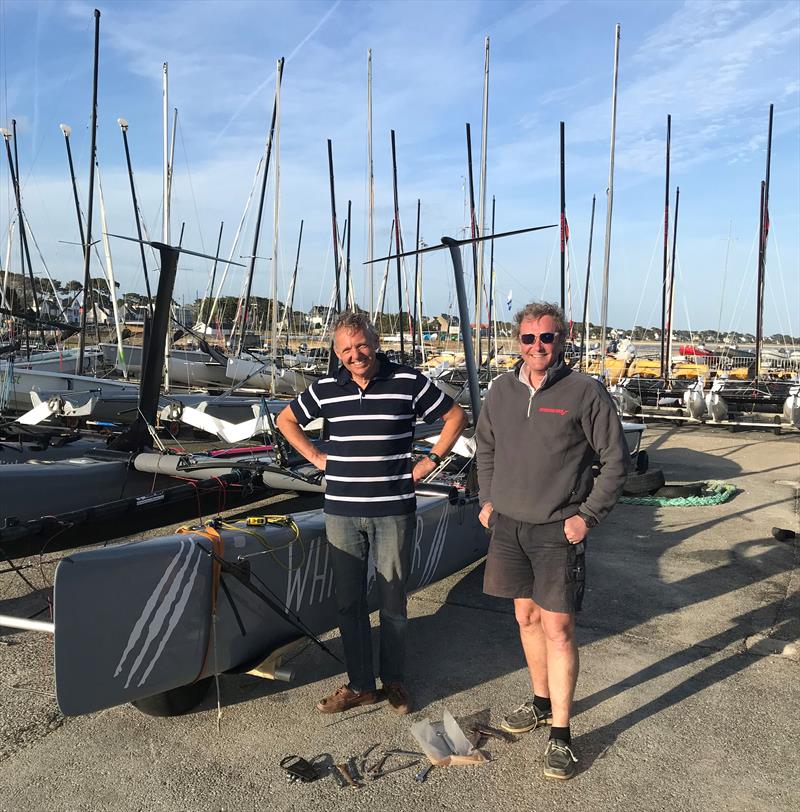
[536, 310]
[353, 321]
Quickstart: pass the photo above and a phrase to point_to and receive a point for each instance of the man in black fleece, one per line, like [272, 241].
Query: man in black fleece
[541, 427]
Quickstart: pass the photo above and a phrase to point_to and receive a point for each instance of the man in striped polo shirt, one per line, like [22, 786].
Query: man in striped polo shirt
[371, 405]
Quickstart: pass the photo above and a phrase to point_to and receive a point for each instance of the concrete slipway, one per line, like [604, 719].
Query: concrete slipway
[688, 697]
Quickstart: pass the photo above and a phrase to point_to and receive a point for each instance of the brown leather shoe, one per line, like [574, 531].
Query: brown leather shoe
[344, 698]
[400, 700]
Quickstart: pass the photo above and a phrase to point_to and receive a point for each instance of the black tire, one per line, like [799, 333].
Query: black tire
[175, 701]
[680, 491]
[642, 462]
[647, 483]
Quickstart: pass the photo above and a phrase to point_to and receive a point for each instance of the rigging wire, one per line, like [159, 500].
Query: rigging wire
[745, 278]
[789, 330]
[179, 127]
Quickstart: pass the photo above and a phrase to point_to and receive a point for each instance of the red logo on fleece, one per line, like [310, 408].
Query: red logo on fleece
[553, 411]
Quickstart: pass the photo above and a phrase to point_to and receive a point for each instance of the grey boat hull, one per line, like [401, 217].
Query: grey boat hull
[135, 620]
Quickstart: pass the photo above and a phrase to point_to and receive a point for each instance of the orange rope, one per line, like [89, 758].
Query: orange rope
[218, 546]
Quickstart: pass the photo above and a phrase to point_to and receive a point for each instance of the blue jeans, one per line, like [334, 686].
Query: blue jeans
[390, 540]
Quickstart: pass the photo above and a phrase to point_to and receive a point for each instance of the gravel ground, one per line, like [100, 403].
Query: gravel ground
[687, 698]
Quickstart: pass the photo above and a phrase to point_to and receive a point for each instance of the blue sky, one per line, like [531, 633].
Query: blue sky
[714, 66]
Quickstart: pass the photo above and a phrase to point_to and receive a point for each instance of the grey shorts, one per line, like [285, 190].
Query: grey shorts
[535, 561]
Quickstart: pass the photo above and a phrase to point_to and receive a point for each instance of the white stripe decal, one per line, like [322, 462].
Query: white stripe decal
[313, 394]
[370, 459]
[370, 498]
[367, 478]
[411, 375]
[342, 439]
[359, 417]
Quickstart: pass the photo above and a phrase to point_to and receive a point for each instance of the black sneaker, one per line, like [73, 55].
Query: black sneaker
[526, 717]
[559, 760]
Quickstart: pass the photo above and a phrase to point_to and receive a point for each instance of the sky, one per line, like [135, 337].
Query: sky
[714, 67]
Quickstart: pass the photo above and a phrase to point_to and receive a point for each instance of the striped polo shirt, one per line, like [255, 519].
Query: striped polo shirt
[371, 431]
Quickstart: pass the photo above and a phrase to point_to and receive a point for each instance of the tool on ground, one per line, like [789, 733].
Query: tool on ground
[492, 732]
[403, 753]
[363, 759]
[298, 769]
[377, 766]
[399, 767]
[338, 777]
[353, 769]
[344, 771]
[444, 742]
[422, 775]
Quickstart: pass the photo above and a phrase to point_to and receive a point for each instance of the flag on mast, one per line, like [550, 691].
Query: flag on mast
[508, 300]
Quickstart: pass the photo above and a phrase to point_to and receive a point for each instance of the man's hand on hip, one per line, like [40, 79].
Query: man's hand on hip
[575, 529]
[423, 468]
[486, 512]
[319, 460]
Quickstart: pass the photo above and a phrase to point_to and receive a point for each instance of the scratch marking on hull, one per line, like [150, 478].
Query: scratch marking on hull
[177, 614]
[138, 627]
[416, 556]
[159, 618]
[437, 547]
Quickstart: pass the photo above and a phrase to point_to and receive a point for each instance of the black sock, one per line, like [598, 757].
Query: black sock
[560, 733]
[542, 703]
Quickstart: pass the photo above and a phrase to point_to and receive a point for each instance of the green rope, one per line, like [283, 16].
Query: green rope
[715, 492]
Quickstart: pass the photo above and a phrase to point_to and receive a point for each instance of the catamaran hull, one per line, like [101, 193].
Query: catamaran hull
[136, 620]
[23, 381]
[257, 375]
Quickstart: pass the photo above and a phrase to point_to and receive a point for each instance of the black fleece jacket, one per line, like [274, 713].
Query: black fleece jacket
[535, 451]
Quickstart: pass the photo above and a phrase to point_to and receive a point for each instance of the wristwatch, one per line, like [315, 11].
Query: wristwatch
[435, 457]
[589, 520]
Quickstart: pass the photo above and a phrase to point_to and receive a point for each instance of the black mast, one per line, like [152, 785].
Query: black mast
[399, 249]
[762, 250]
[123, 125]
[454, 246]
[672, 275]
[67, 130]
[26, 332]
[416, 293]
[87, 251]
[665, 365]
[290, 303]
[257, 234]
[332, 361]
[24, 232]
[137, 436]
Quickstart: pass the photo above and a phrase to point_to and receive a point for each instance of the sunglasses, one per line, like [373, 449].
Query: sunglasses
[545, 338]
